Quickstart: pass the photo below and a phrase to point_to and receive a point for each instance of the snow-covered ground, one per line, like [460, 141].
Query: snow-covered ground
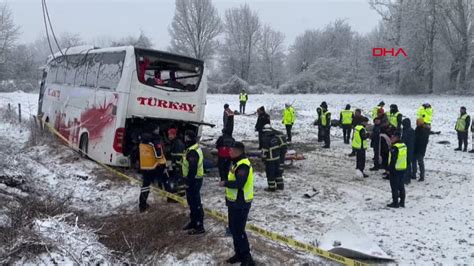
[435, 227]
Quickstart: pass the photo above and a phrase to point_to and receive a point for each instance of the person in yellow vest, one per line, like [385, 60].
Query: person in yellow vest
[326, 125]
[152, 164]
[359, 145]
[288, 120]
[425, 112]
[243, 98]
[345, 119]
[193, 172]
[394, 117]
[397, 164]
[462, 127]
[375, 110]
[239, 195]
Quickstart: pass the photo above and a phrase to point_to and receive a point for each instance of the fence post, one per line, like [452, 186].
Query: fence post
[19, 112]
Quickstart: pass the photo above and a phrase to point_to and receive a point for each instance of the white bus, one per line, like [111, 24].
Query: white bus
[101, 98]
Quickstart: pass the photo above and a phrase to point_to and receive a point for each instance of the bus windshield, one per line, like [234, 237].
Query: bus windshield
[167, 71]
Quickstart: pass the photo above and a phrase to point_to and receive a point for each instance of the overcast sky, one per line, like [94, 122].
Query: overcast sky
[118, 18]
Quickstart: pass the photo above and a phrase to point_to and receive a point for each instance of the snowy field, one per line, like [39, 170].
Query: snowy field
[436, 226]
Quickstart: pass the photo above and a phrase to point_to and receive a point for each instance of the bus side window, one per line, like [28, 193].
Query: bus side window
[52, 70]
[81, 71]
[93, 63]
[62, 69]
[72, 63]
[110, 70]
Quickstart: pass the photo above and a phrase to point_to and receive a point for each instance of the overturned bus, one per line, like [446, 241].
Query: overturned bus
[101, 99]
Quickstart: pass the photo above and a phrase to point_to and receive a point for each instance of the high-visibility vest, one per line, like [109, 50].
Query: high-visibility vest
[461, 123]
[346, 117]
[243, 97]
[289, 116]
[401, 163]
[185, 163]
[357, 142]
[375, 111]
[324, 121]
[149, 157]
[393, 118]
[426, 114]
[231, 193]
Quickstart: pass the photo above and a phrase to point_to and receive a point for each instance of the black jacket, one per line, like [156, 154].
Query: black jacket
[408, 137]
[270, 146]
[422, 136]
[241, 175]
[175, 153]
[228, 119]
[375, 137]
[262, 120]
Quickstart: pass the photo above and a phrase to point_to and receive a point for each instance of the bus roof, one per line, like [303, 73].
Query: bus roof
[167, 55]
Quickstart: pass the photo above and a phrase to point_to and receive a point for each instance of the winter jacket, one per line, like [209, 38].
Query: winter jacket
[228, 118]
[358, 119]
[262, 120]
[375, 137]
[422, 135]
[408, 137]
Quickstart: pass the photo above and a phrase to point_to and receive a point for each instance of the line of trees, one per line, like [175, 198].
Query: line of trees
[243, 52]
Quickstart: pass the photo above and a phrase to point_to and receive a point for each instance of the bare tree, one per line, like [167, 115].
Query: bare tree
[142, 41]
[271, 51]
[8, 30]
[242, 33]
[194, 29]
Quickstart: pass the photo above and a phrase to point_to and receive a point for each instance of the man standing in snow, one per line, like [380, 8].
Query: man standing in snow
[395, 117]
[408, 137]
[243, 98]
[288, 119]
[262, 120]
[359, 144]
[319, 112]
[397, 167]
[239, 196]
[376, 109]
[228, 119]
[462, 126]
[224, 144]
[271, 156]
[422, 135]
[375, 144]
[425, 112]
[193, 172]
[326, 125]
[175, 154]
[345, 119]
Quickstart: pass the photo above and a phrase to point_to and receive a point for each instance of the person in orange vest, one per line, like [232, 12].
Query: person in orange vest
[152, 164]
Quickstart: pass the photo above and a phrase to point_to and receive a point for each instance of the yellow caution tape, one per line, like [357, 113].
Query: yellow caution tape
[222, 217]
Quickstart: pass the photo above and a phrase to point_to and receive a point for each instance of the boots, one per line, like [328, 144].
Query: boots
[248, 261]
[234, 259]
[457, 149]
[393, 205]
[188, 226]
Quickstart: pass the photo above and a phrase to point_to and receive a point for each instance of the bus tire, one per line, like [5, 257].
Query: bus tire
[84, 145]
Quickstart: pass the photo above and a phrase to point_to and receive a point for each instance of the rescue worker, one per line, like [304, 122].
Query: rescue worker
[319, 112]
[228, 120]
[359, 144]
[239, 195]
[271, 156]
[408, 138]
[346, 118]
[462, 126]
[326, 125]
[472, 135]
[358, 119]
[375, 144]
[422, 135]
[288, 120]
[425, 112]
[193, 172]
[385, 143]
[175, 172]
[376, 109]
[224, 144]
[262, 120]
[152, 163]
[397, 167]
[283, 150]
[394, 117]
[243, 98]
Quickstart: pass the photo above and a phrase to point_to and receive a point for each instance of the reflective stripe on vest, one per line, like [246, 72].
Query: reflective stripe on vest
[461, 123]
[401, 163]
[149, 159]
[200, 170]
[324, 121]
[243, 97]
[346, 117]
[357, 142]
[231, 193]
[393, 119]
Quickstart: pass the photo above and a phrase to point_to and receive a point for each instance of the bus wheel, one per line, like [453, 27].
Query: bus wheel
[83, 145]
